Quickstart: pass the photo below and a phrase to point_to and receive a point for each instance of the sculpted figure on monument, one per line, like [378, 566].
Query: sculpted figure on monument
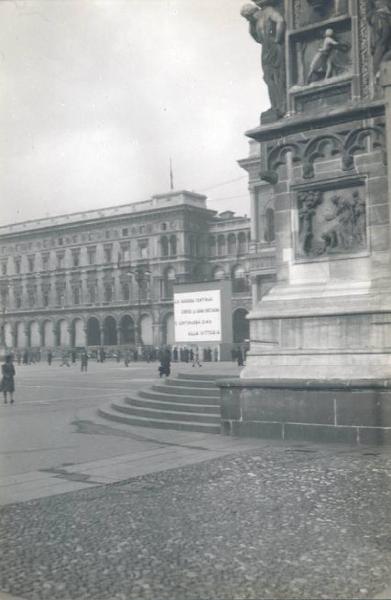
[348, 219]
[333, 224]
[267, 27]
[307, 205]
[324, 64]
[379, 17]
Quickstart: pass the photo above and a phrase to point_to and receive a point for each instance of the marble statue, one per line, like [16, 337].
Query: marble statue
[267, 27]
[379, 17]
[323, 65]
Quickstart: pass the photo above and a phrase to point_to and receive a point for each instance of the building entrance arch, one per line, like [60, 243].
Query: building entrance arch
[93, 332]
[110, 332]
[78, 336]
[35, 337]
[168, 330]
[63, 333]
[127, 330]
[8, 335]
[146, 330]
[21, 337]
[48, 334]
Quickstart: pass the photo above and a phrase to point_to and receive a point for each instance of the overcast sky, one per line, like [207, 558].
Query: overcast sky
[96, 95]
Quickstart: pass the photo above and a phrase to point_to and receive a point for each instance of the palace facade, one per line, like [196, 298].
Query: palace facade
[106, 277]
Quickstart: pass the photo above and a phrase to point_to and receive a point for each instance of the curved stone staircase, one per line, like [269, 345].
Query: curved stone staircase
[187, 403]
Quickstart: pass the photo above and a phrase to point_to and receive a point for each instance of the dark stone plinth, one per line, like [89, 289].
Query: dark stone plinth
[351, 411]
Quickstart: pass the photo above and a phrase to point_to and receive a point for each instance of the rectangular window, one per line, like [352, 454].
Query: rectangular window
[143, 249]
[76, 257]
[125, 252]
[31, 262]
[18, 299]
[91, 253]
[60, 260]
[45, 262]
[4, 268]
[45, 298]
[92, 293]
[107, 234]
[17, 265]
[60, 293]
[60, 241]
[31, 298]
[125, 232]
[108, 251]
[76, 295]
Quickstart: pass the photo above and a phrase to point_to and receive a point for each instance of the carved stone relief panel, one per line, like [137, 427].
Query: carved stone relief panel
[321, 54]
[313, 11]
[331, 222]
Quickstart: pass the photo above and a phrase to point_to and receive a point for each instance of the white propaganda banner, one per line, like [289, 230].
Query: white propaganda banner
[197, 316]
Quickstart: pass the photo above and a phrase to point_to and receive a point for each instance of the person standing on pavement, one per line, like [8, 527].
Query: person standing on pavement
[84, 361]
[65, 360]
[196, 358]
[240, 357]
[165, 362]
[50, 357]
[7, 380]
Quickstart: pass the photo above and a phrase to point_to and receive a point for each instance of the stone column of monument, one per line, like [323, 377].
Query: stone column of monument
[320, 347]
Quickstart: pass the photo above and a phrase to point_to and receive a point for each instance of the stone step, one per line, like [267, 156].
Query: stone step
[152, 413]
[158, 423]
[168, 396]
[192, 391]
[203, 409]
[203, 377]
[193, 383]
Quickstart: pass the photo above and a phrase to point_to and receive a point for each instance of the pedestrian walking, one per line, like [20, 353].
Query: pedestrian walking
[165, 363]
[73, 356]
[84, 362]
[25, 357]
[196, 358]
[50, 358]
[65, 360]
[7, 380]
[19, 357]
[240, 357]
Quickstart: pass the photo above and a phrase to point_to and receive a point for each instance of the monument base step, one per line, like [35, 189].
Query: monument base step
[351, 411]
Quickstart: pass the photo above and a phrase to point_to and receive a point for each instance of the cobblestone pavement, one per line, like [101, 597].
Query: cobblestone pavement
[277, 522]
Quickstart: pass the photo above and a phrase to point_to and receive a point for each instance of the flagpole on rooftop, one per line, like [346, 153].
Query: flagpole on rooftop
[171, 176]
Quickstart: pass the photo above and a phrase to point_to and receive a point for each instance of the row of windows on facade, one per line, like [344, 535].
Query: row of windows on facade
[240, 284]
[90, 236]
[218, 246]
[77, 296]
[168, 249]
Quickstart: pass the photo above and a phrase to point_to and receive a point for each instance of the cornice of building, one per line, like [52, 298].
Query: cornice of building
[158, 203]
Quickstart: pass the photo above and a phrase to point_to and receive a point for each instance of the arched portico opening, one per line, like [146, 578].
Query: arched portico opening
[168, 330]
[78, 336]
[21, 337]
[93, 332]
[35, 336]
[146, 330]
[63, 333]
[8, 335]
[110, 331]
[127, 330]
[240, 326]
[48, 334]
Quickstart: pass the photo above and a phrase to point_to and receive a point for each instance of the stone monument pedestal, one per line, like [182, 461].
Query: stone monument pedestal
[319, 365]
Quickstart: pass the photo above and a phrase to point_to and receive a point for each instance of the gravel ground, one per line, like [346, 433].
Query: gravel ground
[279, 522]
